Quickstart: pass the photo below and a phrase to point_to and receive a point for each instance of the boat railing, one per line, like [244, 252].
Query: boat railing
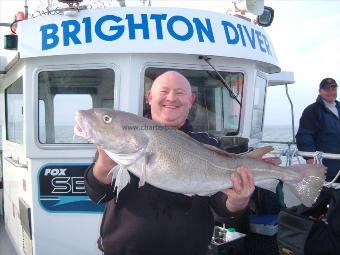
[292, 155]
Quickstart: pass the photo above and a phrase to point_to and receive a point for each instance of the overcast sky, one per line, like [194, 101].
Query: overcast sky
[305, 35]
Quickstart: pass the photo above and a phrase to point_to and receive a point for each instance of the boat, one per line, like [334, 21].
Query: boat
[75, 58]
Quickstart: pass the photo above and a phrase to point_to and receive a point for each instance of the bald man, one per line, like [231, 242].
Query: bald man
[149, 220]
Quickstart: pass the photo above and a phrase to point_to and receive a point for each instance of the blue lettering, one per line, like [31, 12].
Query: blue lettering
[239, 27]
[158, 20]
[206, 29]
[226, 26]
[132, 26]
[259, 36]
[70, 34]
[119, 30]
[49, 33]
[267, 44]
[251, 37]
[175, 35]
[88, 35]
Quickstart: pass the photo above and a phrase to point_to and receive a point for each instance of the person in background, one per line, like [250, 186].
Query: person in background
[319, 128]
[149, 220]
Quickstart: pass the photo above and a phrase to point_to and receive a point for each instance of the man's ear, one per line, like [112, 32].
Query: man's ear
[192, 99]
[148, 96]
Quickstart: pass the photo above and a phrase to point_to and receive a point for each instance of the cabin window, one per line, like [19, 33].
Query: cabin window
[258, 108]
[215, 110]
[62, 93]
[14, 111]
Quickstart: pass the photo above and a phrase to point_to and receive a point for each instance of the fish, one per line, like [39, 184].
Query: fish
[169, 159]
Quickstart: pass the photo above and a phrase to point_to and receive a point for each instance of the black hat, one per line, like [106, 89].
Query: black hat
[327, 83]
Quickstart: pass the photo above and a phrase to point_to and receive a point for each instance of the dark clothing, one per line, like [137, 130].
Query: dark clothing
[149, 220]
[319, 130]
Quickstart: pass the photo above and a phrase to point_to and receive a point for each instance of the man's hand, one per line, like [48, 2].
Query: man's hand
[243, 187]
[103, 166]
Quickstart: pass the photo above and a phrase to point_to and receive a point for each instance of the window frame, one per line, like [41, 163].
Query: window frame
[193, 67]
[258, 135]
[6, 138]
[69, 67]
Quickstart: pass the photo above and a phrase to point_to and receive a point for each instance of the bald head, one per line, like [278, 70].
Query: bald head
[172, 78]
[170, 99]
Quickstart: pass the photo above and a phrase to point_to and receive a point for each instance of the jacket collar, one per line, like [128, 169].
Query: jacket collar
[186, 128]
[320, 101]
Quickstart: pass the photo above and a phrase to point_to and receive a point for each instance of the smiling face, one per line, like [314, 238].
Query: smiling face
[170, 99]
[329, 94]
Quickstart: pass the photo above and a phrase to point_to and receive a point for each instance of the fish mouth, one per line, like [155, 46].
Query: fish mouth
[78, 129]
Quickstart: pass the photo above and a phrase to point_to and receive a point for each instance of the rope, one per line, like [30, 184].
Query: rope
[331, 183]
[318, 155]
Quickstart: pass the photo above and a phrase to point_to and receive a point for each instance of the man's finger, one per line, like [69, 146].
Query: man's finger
[242, 171]
[235, 179]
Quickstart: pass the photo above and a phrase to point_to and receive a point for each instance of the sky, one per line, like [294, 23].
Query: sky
[306, 39]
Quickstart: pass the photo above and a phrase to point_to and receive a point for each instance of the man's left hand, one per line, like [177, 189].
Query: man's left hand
[243, 187]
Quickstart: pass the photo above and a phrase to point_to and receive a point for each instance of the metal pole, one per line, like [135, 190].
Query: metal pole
[26, 10]
[292, 113]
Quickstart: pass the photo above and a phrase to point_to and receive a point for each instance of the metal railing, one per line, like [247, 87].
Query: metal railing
[292, 153]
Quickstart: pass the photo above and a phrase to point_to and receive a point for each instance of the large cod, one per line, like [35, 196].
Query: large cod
[171, 160]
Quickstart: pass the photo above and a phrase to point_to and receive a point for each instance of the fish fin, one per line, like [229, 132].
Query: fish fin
[114, 172]
[123, 178]
[219, 151]
[142, 177]
[259, 152]
[268, 184]
[307, 188]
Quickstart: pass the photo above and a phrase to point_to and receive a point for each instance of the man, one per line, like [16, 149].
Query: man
[319, 128]
[149, 220]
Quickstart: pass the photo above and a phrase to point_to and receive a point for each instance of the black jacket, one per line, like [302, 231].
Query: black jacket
[319, 130]
[148, 220]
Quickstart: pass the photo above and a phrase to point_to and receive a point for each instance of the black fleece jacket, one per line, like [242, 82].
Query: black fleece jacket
[148, 220]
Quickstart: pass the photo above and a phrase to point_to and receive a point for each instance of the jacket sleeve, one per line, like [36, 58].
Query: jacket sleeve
[308, 128]
[239, 220]
[97, 191]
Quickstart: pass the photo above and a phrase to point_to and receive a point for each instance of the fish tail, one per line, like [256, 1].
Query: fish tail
[307, 188]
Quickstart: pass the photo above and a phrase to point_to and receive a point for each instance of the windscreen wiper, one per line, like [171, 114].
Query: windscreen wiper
[221, 79]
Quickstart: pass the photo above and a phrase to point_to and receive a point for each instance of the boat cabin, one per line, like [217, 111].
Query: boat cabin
[109, 58]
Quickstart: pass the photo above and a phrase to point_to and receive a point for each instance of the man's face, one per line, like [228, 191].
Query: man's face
[329, 95]
[170, 99]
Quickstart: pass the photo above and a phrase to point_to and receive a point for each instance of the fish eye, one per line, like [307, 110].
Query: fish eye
[107, 119]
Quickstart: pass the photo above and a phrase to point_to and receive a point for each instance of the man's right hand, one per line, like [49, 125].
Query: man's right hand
[103, 166]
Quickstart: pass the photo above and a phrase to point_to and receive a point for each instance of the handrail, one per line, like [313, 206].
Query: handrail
[318, 153]
[15, 163]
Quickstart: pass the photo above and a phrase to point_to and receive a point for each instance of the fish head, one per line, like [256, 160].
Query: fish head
[105, 127]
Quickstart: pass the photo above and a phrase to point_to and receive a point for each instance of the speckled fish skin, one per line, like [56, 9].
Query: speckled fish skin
[171, 160]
